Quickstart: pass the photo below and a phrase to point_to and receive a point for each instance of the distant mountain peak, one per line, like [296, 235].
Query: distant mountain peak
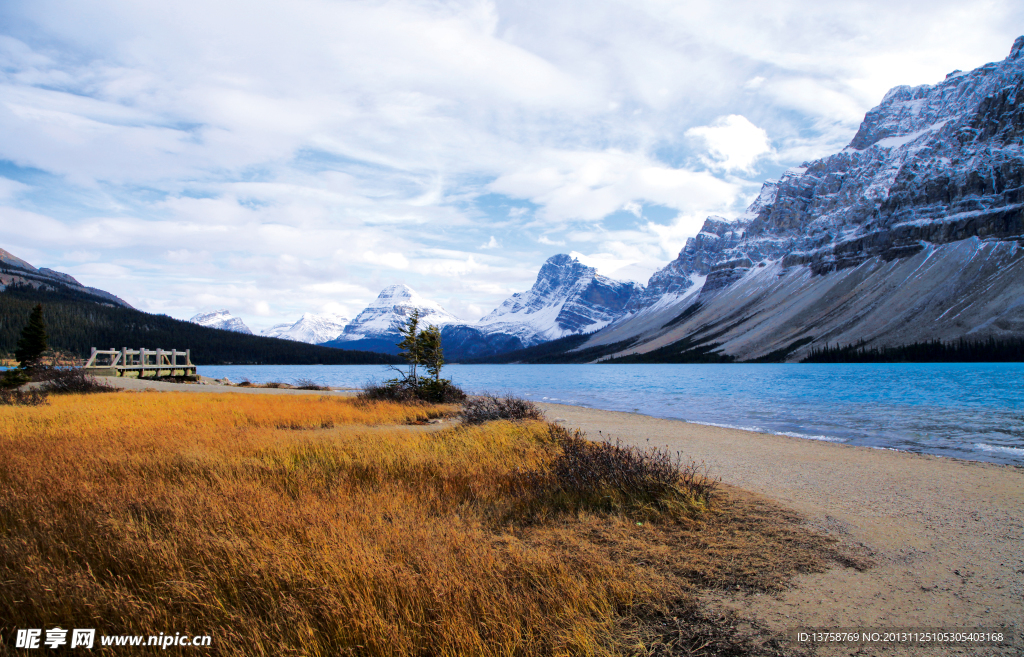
[568, 297]
[401, 295]
[390, 311]
[312, 328]
[221, 319]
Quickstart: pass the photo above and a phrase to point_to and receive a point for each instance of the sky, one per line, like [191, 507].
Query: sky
[275, 158]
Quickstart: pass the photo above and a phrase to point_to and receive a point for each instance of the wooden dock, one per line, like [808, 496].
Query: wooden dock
[140, 363]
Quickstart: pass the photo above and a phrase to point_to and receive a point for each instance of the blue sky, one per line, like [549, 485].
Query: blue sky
[276, 158]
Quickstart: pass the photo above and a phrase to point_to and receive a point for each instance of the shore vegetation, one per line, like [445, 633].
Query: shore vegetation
[420, 348]
[319, 525]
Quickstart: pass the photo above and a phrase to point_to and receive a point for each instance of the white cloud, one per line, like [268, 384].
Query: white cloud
[393, 259]
[591, 185]
[733, 142]
[491, 244]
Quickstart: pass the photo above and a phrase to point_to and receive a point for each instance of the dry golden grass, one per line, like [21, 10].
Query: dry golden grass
[312, 525]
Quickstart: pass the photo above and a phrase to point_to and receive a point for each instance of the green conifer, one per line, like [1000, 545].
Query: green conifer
[410, 347]
[32, 342]
[430, 351]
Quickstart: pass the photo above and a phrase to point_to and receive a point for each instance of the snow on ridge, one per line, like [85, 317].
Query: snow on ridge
[390, 311]
[893, 142]
[311, 328]
[221, 319]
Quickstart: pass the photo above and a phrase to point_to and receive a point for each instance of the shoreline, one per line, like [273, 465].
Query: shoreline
[944, 534]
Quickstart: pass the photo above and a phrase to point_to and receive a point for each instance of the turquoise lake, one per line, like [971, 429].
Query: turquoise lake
[963, 410]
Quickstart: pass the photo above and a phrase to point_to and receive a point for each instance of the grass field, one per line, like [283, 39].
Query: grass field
[314, 525]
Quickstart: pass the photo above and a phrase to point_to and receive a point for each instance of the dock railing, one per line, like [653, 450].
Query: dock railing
[140, 362]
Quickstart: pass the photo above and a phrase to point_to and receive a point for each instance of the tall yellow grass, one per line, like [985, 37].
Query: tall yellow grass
[305, 525]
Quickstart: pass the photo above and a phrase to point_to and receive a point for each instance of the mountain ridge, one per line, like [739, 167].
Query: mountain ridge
[15, 271]
[930, 189]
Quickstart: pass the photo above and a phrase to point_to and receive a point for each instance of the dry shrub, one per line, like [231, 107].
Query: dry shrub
[486, 408]
[69, 380]
[32, 397]
[309, 384]
[290, 525]
[441, 391]
[649, 484]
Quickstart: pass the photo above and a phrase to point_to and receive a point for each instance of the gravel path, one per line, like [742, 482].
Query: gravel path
[946, 536]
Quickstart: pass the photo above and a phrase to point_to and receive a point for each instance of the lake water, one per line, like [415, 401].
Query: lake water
[963, 410]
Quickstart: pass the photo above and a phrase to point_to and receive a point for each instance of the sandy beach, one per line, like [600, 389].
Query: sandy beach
[945, 537]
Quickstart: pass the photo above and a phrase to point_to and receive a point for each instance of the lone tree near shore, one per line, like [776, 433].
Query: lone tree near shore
[430, 351]
[421, 347]
[31, 346]
[32, 342]
[410, 348]
[418, 347]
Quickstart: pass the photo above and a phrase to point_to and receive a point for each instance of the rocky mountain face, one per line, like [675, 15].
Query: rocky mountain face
[15, 271]
[221, 319]
[930, 188]
[567, 298]
[377, 327]
[310, 328]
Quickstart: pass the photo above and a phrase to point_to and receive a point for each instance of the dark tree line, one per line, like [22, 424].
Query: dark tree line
[935, 351]
[75, 322]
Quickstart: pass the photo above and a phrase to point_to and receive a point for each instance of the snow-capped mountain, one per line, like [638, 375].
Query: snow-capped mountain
[911, 233]
[221, 319]
[15, 271]
[568, 298]
[377, 327]
[311, 328]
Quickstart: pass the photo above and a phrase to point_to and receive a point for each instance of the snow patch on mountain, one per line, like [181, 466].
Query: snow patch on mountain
[311, 328]
[221, 319]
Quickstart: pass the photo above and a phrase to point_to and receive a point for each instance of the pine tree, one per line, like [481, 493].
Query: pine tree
[430, 351]
[32, 342]
[410, 348]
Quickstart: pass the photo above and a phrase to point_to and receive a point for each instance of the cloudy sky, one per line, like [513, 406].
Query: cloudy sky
[274, 158]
